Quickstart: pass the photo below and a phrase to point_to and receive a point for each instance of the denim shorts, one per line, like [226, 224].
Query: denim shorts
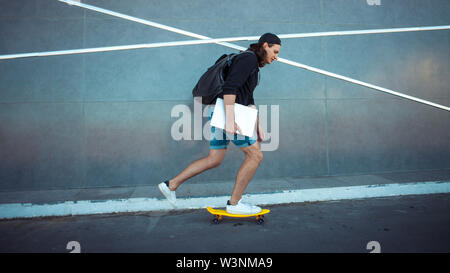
[220, 139]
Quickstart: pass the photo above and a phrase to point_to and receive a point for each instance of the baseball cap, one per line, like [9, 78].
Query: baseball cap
[270, 38]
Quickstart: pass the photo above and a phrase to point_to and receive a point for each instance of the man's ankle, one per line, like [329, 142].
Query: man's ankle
[170, 185]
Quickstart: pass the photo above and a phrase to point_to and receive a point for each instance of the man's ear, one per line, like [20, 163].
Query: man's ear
[265, 45]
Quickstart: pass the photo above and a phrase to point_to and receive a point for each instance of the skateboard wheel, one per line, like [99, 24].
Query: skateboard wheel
[260, 221]
[216, 221]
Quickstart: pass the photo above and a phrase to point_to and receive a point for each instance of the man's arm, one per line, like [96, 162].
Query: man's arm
[257, 117]
[230, 126]
[259, 129]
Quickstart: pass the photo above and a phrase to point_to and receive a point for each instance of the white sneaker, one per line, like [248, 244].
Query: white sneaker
[170, 195]
[243, 208]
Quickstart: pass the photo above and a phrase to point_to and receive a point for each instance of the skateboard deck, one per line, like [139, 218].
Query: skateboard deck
[219, 213]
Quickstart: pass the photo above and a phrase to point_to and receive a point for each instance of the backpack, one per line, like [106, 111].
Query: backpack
[211, 82]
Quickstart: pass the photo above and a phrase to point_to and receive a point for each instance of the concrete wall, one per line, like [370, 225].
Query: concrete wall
[104, 119]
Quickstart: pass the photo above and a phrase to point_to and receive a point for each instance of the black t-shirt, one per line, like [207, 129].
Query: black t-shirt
[242, 78]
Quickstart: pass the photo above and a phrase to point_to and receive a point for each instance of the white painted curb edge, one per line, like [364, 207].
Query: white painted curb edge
[86, 207]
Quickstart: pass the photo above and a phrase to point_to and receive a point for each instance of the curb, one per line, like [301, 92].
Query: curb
[89, 207]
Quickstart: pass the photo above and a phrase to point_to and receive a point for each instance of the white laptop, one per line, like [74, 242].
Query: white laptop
[244, 116]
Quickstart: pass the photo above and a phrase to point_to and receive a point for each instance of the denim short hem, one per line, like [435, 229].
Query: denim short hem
[250, 143]
[217, 147]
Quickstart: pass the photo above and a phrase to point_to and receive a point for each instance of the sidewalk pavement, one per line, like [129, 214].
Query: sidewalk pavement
[413, 223]
[195, 194]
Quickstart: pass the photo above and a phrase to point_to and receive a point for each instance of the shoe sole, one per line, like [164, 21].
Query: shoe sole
[165, 195]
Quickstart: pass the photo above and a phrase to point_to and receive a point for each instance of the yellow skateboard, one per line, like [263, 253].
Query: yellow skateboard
[219, 213]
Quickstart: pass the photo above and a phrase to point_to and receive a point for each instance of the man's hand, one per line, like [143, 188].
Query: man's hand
[261, 134]
[259, 130]
[232, 127]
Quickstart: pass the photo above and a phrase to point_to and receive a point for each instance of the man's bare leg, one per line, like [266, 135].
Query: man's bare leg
[213, 160]
[253, 158]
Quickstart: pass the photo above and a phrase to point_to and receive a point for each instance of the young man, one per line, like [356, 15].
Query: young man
[239, 85]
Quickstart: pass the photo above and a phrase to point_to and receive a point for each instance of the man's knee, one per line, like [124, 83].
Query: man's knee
[254, 153]
[259, 156]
